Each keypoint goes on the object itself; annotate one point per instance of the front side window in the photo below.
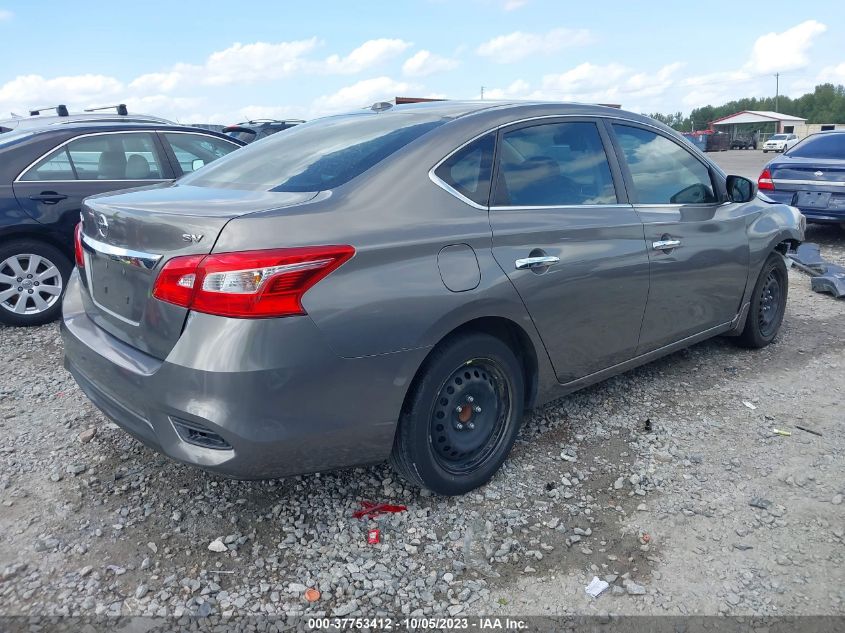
(554, 164)
(316, 156)
(662, 171)
(196, 150)
(468, 171)
(101, 157)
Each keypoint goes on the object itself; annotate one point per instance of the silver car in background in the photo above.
(405, 282)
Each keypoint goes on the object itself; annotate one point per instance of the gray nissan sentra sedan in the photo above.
(404, 282)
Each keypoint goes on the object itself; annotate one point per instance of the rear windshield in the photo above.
(778, 137)
(820, 146)
(316, 156)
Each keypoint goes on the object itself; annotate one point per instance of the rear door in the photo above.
(697, 244)
(52, 188)
(572, 246)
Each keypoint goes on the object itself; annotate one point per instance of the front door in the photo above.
(697, 242)
(572, 247)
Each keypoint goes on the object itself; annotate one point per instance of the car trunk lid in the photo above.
(128, 237)
(804, 172)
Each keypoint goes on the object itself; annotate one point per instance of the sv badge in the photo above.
(191, 237)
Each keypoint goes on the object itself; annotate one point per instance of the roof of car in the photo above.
(117, 126)
(457, 109)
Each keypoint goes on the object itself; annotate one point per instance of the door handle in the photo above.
(48, 197)
(665, 245)
(536, 262)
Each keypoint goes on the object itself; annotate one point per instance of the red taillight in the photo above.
(765, 182)
(248, 284)
(77, 246)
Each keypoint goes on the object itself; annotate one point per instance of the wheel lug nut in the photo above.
(459, 426)
(29, 291)
(459, 409)
(470, 399)
(20, 278)
(477, 409)
(37, 283)
(20, 288)
(29, 276)
(470, 426)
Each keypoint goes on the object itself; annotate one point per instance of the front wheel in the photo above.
(768, 304)
(33, 275)
(462, 415)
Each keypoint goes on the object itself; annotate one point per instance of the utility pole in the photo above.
(482, 93)
(777, 90)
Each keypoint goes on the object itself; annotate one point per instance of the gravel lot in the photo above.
(667, 481)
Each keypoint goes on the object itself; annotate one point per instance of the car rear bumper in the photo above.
(280, 400)
(817, 215)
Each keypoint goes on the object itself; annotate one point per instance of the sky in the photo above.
(226, 62)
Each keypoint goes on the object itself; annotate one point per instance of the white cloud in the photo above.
(361, 94)
(832, 74)
(512, 5)
(585, 78)
(779, 52)
(35, 91)
(425, 63)
(6, 15)
(369, 54)
(515, 46)
(517, 90)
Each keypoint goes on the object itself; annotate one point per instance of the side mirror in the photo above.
(197, 163)
(740, 189)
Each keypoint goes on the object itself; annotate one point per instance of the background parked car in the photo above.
(780, 142)
(810, 176)
(457, 263)
(37, 118)
(743, 141)
(44, 175)
(250, 131)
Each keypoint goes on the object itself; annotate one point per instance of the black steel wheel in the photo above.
(461, 415)
(470, 415)
(768, 304)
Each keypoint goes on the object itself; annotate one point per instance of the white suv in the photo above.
(780, 142)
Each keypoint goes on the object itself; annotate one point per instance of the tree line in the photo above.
(826, 104)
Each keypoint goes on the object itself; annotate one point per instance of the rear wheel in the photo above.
(462, 415)
(768, 304)
(33, 276)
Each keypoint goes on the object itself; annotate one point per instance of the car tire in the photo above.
(768, 304)
(461, 416)
(31, 303)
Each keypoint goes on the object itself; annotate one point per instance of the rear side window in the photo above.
(820, 146)
(663, 172)
(101, 157)
(316, 156)
(553, 164)
(469, 170)
(196, 150)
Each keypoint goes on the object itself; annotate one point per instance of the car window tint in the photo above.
(663, 172)
(192, 148)
(56, 166)
(554, 164)
(101, 157)
(468, 171)
(820, 146)
(316, 156)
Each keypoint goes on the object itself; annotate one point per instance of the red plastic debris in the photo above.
(374, 536)
(370, 509)
(646, 538)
